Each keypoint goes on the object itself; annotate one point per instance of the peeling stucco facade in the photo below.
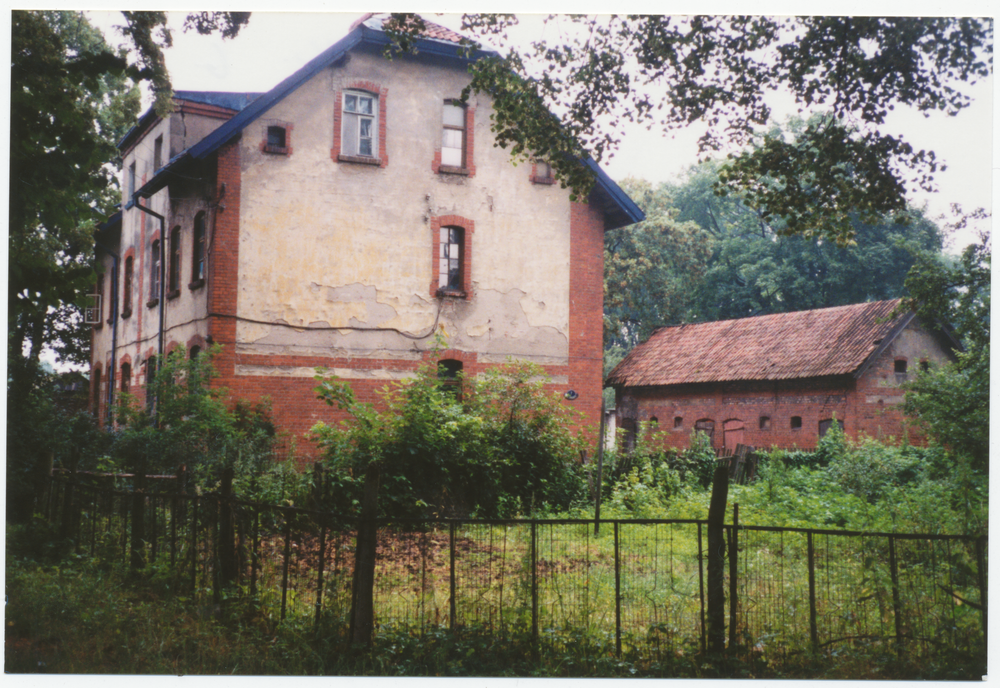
(320, 259)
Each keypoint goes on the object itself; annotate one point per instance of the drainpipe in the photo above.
(163, 264)
(116, 259)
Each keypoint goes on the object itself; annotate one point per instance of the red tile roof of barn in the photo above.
(828, 341)
(431, 30)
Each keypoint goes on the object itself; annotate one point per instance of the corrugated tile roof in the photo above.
(431, 30)
(827, 341)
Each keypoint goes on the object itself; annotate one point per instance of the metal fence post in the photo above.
(284, 572)
(534, 581)
(618, 596)
(716, 560)
(897, 611)
(734, 578)
(452, 611)
(319, 574)
(813, 632)
(701, 588)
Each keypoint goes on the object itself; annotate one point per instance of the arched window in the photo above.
(449, 371)
(825, 425)
(195, 351)
(174, 284)
(198, 252)
(126, 377)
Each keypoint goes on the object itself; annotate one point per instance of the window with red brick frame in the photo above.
(452, 260)
(359, 124)
(456, 154)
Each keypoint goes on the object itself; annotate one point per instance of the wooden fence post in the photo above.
(734, 597)
(716, 560)
(363, 589)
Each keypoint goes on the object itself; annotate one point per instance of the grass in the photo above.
(69, 614)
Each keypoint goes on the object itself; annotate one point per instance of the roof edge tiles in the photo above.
(841, 340)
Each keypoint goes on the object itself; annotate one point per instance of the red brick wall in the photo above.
(586, 312)
(223, 261)
(812, 400)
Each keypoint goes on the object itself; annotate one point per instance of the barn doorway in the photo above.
(732, 434)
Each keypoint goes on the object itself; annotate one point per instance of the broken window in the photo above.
(449, 371)
(175, 262)
(158, 153)
(543, 173)
(825, 425)
(453, 135)
(358, 133)
(796, 422)
(198, 252)
(126, 376)
(765, 423)
(450, 260)
(127, 289)
(154, 273)
(899, 368)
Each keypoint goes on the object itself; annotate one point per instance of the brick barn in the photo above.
(341, 220)
(778, 380)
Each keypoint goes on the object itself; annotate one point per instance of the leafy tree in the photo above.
(649, 268)
(564, 99)
(755, 268)
(952, 402)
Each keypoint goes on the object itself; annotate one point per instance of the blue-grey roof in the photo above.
(619, 209)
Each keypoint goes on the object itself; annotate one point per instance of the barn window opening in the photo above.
(706, 426)
(678, 422)
(825, 425)
(448, 375)
(195, 350)
(925, 366)
(765, 423)
(275, 137)
(899, 368)
(796, 422)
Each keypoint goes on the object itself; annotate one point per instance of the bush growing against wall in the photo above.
(496, 445)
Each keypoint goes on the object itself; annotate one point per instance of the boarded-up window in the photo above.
(825, 425)
(706, 426)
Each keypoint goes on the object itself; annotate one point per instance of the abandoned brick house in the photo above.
(778, 380)
(340, 220)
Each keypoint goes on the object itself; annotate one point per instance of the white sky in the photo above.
(275, 44)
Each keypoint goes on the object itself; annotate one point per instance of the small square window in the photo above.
(899, 367)
(765, 423)
(276, 137)
(678, 422)
(796, 422)
(542, 173)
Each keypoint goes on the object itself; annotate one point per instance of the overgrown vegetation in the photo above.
(496, 445)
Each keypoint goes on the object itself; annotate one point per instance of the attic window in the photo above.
(542, 173)
(796, 422)
(276, 139)
(899, 368)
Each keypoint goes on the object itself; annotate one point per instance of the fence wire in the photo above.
(638, 584)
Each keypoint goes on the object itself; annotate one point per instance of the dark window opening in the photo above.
(450, 266)
(154, 272)
(899, 368)
(195, 351)
(765, 422)
(654, 421)
(678, 422)
(97, 392)
(175, 261)
(825, 425)
(449, 371)
(158, 153)
(275, 137)
(127, 289)
(925, 366)
(198, 252)
(796, 422)
(126, 377)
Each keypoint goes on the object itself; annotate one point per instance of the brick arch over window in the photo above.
(467, 227)
(376, 90)
(197, 341)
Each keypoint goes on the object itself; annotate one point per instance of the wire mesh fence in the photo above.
(638, 583)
